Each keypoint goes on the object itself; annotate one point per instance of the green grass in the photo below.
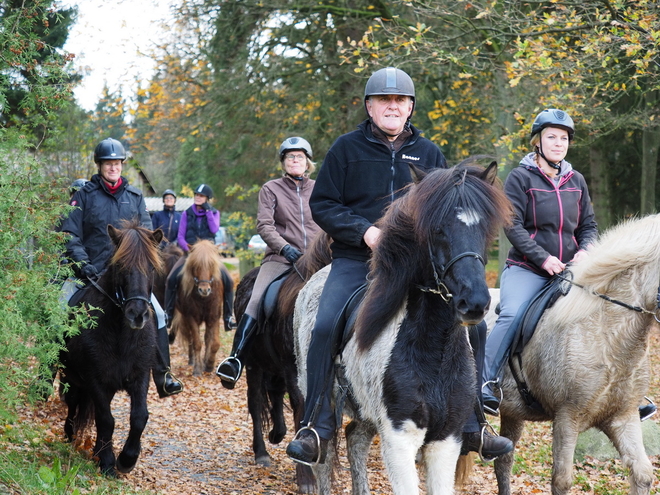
(33, 462)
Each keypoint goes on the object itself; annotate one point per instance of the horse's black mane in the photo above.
(402, 251)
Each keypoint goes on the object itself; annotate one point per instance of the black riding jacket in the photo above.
(359, 178)
(96, 209)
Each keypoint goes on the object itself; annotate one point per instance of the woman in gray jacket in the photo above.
(284, 221)
(553, 225)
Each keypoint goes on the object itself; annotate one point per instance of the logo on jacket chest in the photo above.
(413, 158)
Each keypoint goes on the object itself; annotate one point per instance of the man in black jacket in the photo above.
(362, 173)
(168, 218)
(107, 199)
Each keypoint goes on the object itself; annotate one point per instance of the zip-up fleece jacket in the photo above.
(550, 218)
(359, 178)
(96, 209)
(284, 217)
(197, 224)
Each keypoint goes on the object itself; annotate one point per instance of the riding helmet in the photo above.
(390, 81)
(295, 144)
(552, 117)
(77, 184)
(170, 192)
(205, 189)
(109, 149)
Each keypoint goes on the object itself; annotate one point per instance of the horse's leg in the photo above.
(71, 397)
(440, 459)
(195, 346)
(512, 429)
(399, 448)
(105, 427)
(359, 435)
(323, 472)
(138, 421)
(254, 376)
(212, 344)
(276, 391)
(564, 440)
(626, 435)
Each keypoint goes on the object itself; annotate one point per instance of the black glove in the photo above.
(89, 271)
(290, 253)
(206, 206)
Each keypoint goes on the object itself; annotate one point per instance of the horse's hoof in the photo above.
(307, 488)
(109, 471)
(126, 463)
(276, 437)
(263, 460)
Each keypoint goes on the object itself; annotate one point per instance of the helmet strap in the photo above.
(294, 177)
(539, 151)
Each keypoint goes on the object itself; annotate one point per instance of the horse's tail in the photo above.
(464, 470)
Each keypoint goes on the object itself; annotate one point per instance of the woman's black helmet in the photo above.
(109, 149)
(552, 117)
(77, 184)
(204, 189)
(294, 144)
(170, 192)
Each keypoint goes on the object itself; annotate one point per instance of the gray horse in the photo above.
(587, 364)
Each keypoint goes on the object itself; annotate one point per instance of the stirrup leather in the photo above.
(493, 412)
(318, 443)
(229, 378)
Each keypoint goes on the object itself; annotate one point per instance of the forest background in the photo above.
(236, 78)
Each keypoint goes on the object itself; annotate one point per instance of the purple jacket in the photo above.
(206, 225)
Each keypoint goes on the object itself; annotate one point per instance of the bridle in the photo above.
(119, 300)
(198, 281)
(439, 273)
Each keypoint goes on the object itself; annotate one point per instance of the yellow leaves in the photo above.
(514, 82)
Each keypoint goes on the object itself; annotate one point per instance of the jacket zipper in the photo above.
(302, 217)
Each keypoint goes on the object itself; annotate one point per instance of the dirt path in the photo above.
(199, 442)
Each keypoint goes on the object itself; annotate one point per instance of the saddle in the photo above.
(524, 325)
(269, 299)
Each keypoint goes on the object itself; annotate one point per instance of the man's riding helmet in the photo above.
(109, 149)
(205, 189)
(389, 81)
(77, 184)
(170, 192)
(551, 117)
(295, 144)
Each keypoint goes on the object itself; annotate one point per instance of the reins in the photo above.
(441, 289)
(637, 309)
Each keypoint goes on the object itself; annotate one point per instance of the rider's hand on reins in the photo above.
(553, 265)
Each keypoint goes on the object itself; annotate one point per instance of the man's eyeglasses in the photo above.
(291, 156)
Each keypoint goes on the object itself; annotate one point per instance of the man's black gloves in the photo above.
(290, 253)
(206, 206)
(89, 271)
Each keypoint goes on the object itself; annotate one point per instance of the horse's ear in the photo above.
(417, 174)
(157, 236)
(490, 174)
(114, 234)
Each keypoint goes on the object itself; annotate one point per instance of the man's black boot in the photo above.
(228, 302)
(231, 368)
(307, 447)
(166, 383)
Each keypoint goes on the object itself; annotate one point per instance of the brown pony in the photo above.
(199, 303)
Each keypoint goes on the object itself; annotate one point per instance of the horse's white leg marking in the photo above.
(626, 435)
(564, 439)
(399, 448)
(440, 458)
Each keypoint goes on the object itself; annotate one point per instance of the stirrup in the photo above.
(650, 409)
(481, 441)
(489, 410)
(318, 442)
(229, 378)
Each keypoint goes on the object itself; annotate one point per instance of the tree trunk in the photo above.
(650, 145)
(599, 190)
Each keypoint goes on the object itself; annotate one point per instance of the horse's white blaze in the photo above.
(468, 217)
(399, 447)
(440, 458)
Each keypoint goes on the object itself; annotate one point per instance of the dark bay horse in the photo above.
(270, 363)
(199, 300)
(118, 350)
(170, 254)
(587, 363)
(409, 365)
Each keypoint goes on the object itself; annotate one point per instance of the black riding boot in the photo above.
(171, 287)
(231, 368)
(228, 303)
(166, 383)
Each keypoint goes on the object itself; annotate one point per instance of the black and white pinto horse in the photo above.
(117, 351)
(409, 365)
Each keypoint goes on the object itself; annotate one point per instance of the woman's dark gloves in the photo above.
(88, 270)
(206, 206)
(290, 253)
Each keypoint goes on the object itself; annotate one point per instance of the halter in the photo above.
(637, 309)
(198, 281)
(441, 289)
